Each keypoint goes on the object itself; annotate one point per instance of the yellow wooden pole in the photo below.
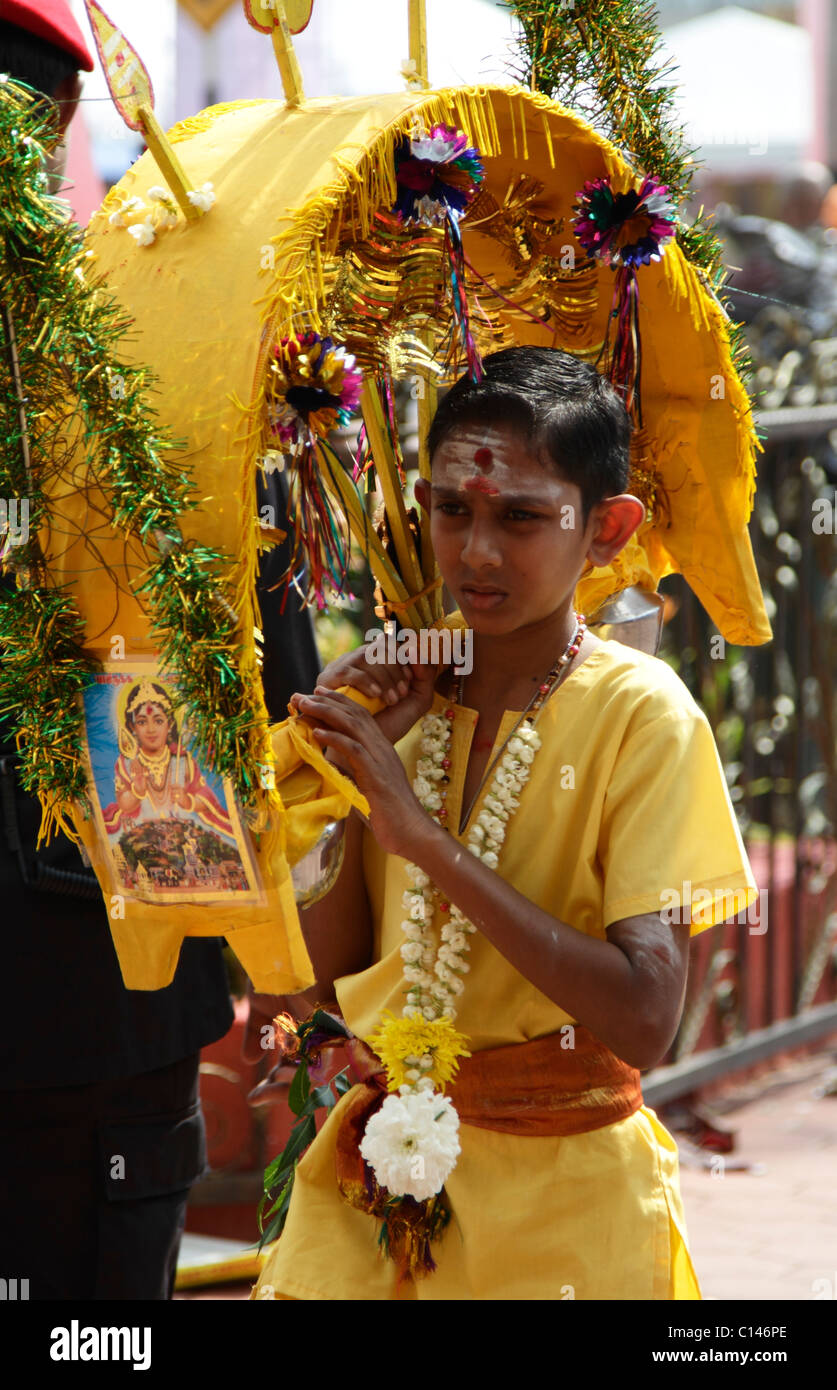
(283, 47)
(341, 487)
(386, 470)
(418, 37)
(426, 403)
(167, 161)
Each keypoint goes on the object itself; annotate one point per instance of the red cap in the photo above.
(51, 20)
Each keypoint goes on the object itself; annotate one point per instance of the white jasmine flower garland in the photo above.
(412, 1143)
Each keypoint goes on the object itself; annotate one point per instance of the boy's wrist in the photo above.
(425, 839)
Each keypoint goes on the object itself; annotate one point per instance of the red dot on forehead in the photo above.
(482, 458)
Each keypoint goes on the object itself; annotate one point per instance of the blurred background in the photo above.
(753, 1060)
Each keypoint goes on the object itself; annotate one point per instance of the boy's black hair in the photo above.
(564, 407)
(30, 59)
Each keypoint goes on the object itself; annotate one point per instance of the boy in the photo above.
(566, 1186)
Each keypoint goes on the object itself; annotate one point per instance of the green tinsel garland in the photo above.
(602, 59)
(63, 379)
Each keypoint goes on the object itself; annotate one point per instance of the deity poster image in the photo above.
(171, 827)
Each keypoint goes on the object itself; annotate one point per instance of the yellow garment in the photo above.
(596, 1215)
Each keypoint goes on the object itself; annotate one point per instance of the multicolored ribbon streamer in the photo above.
(313, 387)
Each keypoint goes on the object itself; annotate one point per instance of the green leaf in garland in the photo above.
(299, 1088)
(303, 1133)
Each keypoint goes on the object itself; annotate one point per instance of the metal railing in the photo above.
(755, 991)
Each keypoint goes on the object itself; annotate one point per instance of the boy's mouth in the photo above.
(482, 596)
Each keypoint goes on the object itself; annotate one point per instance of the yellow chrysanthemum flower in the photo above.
(400, 1038)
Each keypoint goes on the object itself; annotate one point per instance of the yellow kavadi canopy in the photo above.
(299, 237)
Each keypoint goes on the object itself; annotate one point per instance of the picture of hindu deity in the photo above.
(171, 827)
(153, 776)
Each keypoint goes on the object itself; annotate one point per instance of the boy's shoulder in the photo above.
(634, 689)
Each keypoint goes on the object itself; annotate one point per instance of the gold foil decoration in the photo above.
(645, 482)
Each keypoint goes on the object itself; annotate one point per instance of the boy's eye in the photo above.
(513, 514)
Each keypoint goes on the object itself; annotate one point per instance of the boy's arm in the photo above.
(628, 990)
(338, 928)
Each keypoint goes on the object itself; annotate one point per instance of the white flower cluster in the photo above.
(202, 198)
(434, 747)
(167, 208)
(435, 977)
(438, 149)
(412, 1143)
(163, 212)
(486, 836)
(144, 232)
(117, 218)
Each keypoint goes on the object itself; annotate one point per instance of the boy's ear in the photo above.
(616, 520)
(422, 494)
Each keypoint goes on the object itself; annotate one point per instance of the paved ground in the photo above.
(769, 1233)
(767, 1230)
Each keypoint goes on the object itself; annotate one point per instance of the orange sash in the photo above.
(540, 1087)
(546, 1087)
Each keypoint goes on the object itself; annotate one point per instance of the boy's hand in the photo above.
(390, 681)
(358, 745)
(407, 690)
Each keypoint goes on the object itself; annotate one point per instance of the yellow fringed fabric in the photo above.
(208, 299)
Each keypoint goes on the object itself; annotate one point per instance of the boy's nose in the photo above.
(481, 547)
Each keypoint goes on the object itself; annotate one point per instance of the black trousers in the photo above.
(94, 1182)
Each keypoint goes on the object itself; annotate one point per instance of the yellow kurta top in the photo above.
(626, 805)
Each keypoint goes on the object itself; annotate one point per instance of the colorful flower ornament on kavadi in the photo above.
(438, 175)
(625, 231)
(421, 230)
(313, 388)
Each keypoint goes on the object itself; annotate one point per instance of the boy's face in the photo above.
(508, 531)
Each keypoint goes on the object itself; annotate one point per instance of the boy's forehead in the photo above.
(492, 459)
